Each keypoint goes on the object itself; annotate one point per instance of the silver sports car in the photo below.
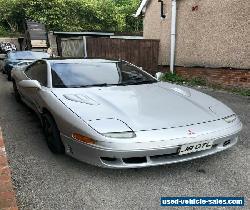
(113, 114)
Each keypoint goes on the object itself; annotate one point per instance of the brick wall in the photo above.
(223, 76)
(7, 194)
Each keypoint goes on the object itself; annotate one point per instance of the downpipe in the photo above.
(173, 36)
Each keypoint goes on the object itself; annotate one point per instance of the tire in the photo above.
(16, 93)
(9, 76)
(52, 135)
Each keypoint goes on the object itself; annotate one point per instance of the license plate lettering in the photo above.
(195, 147)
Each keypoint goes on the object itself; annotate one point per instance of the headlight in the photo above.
(112, 128)
(122, 135)
(230, 119)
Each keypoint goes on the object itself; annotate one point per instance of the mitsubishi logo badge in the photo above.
(190, 132)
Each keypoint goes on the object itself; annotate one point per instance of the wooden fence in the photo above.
(141, 52)
(73, 47)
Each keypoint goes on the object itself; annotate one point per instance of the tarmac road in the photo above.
(45, 181)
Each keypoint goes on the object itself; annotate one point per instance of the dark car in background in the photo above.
(13, 58)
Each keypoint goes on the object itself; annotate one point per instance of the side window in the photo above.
(38, 72)
(28, 71)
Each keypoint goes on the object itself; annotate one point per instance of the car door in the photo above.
(22, 75)
(37, 71)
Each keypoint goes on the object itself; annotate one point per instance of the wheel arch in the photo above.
(46, 111)
(59, 148)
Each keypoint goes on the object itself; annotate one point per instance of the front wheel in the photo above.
(16, 93)
(52, 135)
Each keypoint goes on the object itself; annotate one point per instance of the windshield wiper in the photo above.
(138, 82)
(94, 85)
(59, 86)
(108, 85)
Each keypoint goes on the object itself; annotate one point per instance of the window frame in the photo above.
(139, 69)
(47, 72)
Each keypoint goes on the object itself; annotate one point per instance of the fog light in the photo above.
(109, 159)
(82, 138)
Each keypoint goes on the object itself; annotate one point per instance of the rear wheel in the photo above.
(52, 135)
(16, 93)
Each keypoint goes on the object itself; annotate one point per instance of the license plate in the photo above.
(195, 147)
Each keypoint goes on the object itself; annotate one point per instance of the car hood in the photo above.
(142, 107)
(11, 61)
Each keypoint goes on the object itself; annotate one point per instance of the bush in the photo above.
(3, 31)
(199, 81)
(174, 78)
(6, 33)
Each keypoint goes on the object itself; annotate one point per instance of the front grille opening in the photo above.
(109, 159)
(158, 157)
(135, 160)
(226, 143)
(176, 154)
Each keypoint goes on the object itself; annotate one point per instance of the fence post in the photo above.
(85, 46)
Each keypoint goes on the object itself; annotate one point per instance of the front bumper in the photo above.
(113, 158)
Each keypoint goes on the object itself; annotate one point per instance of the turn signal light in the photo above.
(82, 138)
(230, 119)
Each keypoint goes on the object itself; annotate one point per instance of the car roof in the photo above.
(26, 61)
(25, 52)
(27, 55)
(79, 61)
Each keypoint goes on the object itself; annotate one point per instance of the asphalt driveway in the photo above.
(45, 181)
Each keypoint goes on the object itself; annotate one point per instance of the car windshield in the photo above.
(27, 55)
(89, 74)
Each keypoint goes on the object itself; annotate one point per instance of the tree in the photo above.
(72, 15)
(11, 14)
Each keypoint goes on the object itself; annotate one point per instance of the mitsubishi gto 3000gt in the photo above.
(112, 114)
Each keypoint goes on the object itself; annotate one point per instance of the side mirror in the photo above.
(159, 75)
(30, 84)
